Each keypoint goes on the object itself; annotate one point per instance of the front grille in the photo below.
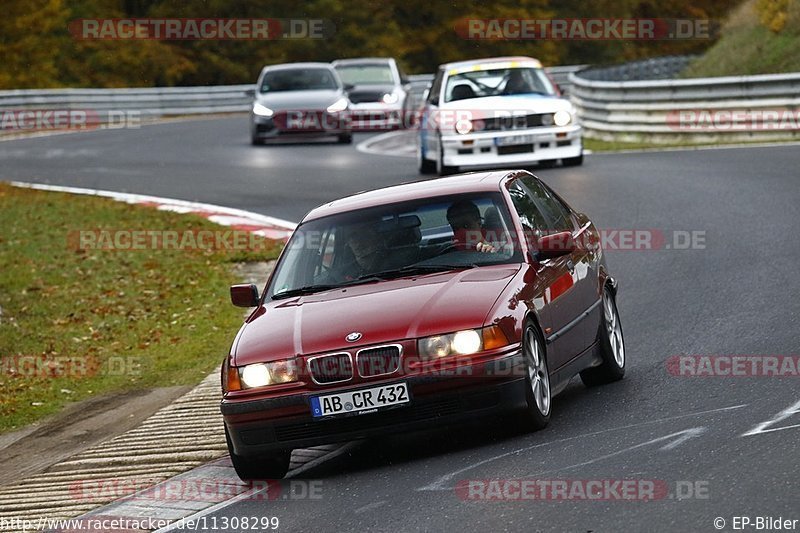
(333, 368)
(378, 361)
(359, 97)
(519, 122)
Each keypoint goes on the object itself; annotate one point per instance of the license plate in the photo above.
(360, 401)
(513, 139)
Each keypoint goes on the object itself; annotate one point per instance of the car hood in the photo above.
(382, 312)
(529, 103)
(299, 100)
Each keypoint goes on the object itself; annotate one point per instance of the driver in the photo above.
(517, 84)
(464, 218)
(367, 247)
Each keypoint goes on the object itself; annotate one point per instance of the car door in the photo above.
(563, 295)
(581, 263)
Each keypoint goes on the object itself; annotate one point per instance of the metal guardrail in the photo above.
(107, 105)
(147, 102)
(736, 108)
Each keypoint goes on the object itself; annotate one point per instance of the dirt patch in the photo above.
(78, 427)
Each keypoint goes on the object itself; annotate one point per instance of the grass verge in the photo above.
(760, 37)
(77, 323)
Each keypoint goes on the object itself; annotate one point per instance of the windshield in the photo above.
(442, 233)
(497, 82)
(309, 79)
(366, 74)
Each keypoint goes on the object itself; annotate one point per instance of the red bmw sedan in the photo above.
(422, 304)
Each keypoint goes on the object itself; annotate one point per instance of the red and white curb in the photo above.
(238, 219)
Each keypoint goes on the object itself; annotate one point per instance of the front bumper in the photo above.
(375, 116)
(273, 128)
(483, 149)
(436, 400)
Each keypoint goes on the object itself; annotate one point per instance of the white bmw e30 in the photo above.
(496, 112)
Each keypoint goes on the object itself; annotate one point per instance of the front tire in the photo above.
(441, 168)
(345, 138)
(612, 346)
(425, 166)
(537, 380)
(273, 466)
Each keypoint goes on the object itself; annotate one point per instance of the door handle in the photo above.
(570, 266)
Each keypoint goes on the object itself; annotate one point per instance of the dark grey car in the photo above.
(299, 100)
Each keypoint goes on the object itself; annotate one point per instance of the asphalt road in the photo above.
(735, 295)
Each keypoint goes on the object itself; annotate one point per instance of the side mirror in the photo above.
(425, 94)
(348, 87)
(245, 295)
(250, 92)
(555, 245)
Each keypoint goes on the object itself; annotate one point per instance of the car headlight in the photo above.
(262, 110)
(338, 105)
(465, 342)
(464, 126)
(390, 98)
(265, 374)
(562, 118)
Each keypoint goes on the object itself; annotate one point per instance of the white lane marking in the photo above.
(439, 483)
(180, 523)
(683, 436)
(167, 203)
(366, 148)
(370, 506)
(783, 415)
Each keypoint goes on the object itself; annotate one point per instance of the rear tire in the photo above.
(537, 381)
(612, 346)
(573, 161)
(548, 163)
(255, 141)
(345, 138)
(272, 466)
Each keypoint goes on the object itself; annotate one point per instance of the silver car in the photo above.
(299, 100)
(377, 90)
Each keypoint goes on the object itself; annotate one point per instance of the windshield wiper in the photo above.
(410, 270)
(309, 289)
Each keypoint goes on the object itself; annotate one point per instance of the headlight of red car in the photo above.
(465, 342)
(262, 374)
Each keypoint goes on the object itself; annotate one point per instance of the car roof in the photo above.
(357, 60)
(459, 184)
(308, 64)
(488, 61)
